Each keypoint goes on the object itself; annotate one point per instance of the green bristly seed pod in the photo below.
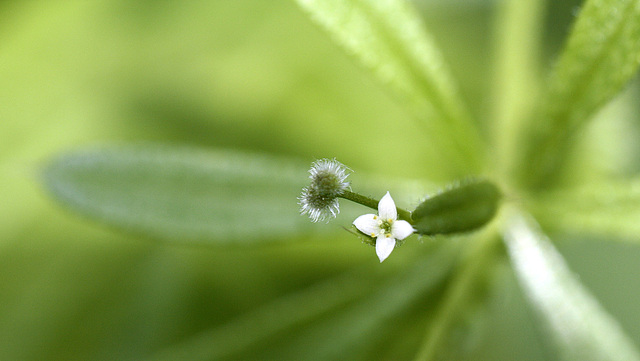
(464, 207)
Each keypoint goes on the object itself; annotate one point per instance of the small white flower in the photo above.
(385, 227)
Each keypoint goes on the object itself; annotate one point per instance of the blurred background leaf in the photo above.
(389, 38)
(601, 56)
(605, 209)
(578, 325)
(183, 195)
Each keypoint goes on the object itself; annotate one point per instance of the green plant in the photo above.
(529, 149)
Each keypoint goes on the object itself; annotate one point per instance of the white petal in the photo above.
(367, 224)
(384, 246)
(401, 230)
(387, 208)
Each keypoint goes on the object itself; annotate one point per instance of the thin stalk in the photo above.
(373, 203)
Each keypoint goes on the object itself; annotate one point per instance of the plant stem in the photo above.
(373, 203)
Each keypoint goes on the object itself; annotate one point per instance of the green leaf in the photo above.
(517, 80)
(580, 327)
(367, 323)
(601, 56)
(281, 314)
(610, 209)
(358, 303)
(181, 194)
(389, 38)
(462, 208)
(461, 293)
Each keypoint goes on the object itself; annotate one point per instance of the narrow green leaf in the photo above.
(517, 81)
(581, 328)
(366, 322)
(182, 194)
(610, 209)
(463, 207)
(266, 321)
(460, 294)
(358, 303)
(601, 56)
(389, 38)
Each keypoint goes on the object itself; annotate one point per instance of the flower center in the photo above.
(385, 226)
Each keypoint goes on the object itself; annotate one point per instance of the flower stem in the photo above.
(373, 203)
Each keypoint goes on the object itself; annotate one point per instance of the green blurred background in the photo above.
(250, 75)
